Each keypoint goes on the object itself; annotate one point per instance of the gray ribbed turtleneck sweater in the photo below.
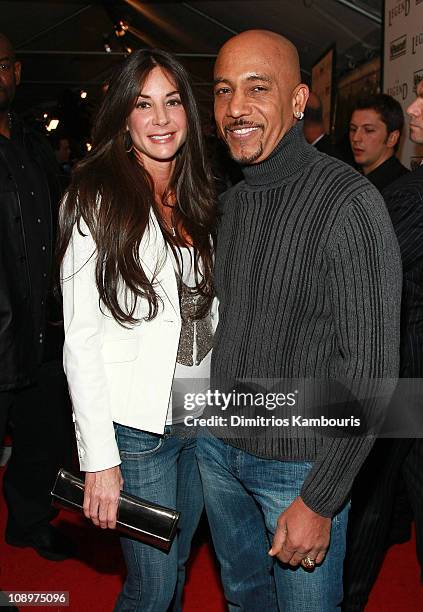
(308, 276)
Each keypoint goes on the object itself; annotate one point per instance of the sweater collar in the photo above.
(289, 156)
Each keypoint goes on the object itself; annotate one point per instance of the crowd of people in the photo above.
(303, 270)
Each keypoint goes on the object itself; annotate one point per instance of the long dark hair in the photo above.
(113, 194)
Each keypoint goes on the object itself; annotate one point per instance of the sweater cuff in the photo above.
(329, 482)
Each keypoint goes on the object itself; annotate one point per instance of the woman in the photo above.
(136, 261)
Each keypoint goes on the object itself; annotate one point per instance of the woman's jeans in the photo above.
(160, 469)
(244, 495)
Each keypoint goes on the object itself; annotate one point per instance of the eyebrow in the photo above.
(250, 77)
(5, 58)
(171, 93)
(362, 124)
(220, 80)
(259, 77)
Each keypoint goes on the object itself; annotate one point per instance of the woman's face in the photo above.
(158, 123)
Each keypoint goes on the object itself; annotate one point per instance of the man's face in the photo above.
(253, 104)
(415, 112)
(370, 142)
(10, 72)
(64, 151)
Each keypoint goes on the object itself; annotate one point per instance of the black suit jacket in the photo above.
(388, 172)
(404, 199)
(21, 350)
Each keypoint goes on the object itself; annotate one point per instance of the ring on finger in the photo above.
(308, 562)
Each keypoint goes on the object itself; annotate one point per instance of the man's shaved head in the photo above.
(258, 92)
(10, 73)
(6, 47)
(271, 46)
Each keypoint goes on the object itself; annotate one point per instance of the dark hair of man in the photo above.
(114, 194)
(387, 107)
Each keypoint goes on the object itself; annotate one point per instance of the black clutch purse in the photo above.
(136, 518)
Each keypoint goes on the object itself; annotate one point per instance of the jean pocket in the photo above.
(134, 443)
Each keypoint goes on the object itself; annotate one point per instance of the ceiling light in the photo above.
(52, 125)
(121, 28)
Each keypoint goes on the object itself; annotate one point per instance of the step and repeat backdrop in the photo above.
(403, 62)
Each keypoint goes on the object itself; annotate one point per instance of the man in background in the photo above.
(33, 392)
(375, 131)
(62, 150)
(314, 129)
(375, 489)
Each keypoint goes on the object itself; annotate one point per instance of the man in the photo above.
(375, 131)
(294, 238)
(62, 150)
(370, 531)
(314, 130)
(33, 398)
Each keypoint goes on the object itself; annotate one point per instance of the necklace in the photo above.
(166, 213)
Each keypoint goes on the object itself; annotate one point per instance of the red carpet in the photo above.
(94, 580)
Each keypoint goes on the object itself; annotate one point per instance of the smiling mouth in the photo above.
(242, 131)
(161, 138)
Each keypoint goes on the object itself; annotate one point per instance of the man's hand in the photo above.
(101, 496)
(300, 533)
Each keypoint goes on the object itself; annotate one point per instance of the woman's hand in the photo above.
(101, 496)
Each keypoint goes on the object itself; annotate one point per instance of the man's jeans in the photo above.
(164, 470)
(244, 495)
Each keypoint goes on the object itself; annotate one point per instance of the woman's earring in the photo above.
(129, 145)
(299, 115)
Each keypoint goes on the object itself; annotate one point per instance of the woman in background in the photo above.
(136, 260)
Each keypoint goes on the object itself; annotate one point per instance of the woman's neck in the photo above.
(160, 171)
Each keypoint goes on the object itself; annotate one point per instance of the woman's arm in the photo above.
(84, 367)
(102, 495)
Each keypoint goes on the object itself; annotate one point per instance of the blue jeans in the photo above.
(244, 495)
(164, 470)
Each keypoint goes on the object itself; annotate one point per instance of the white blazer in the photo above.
(113, 373)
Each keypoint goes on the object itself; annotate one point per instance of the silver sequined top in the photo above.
(192, 329)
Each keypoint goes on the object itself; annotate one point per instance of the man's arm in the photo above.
(366, 278)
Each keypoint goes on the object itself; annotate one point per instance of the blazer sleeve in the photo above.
(82, 355)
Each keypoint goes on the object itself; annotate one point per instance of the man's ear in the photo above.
(393, 138)
(17, 71)
(299, 98)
